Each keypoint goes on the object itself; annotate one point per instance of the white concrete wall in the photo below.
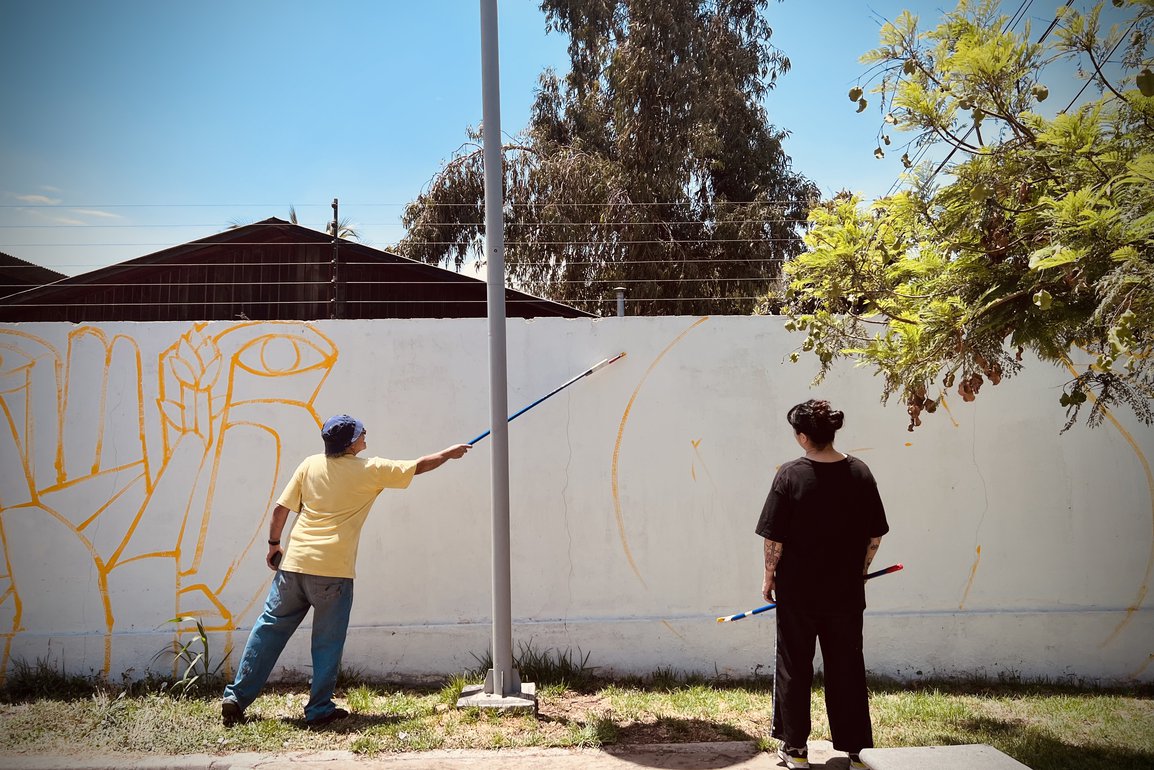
(138, 464)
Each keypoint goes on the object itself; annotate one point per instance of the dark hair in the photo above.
(815, 419)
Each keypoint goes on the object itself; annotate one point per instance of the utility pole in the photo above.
(503, 688)
(335, 300)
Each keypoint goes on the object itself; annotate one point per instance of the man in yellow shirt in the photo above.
(332, 494)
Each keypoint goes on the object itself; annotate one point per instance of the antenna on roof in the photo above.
(335, 300)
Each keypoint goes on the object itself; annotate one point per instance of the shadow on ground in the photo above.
(1040, 749)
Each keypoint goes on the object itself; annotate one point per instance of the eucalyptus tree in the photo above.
(651, 164)
(1037, 236)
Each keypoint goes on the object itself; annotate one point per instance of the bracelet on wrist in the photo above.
(274, 542)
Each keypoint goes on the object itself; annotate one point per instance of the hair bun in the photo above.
(816, 419)
(836, 419)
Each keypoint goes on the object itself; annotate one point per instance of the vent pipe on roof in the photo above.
(620, 300)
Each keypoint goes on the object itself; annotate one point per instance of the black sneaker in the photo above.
(329, 718)
(231, 713)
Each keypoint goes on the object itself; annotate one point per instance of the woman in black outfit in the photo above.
(822, 522)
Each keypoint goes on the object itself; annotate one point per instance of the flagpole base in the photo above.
(524, 701)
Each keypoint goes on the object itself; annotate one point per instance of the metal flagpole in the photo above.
(503, 687)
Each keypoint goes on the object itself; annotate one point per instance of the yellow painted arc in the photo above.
(1143, 588)
(672, 630)
(973, 574)
(945, 405)
(617, 448)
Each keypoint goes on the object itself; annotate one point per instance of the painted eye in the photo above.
(277, 355)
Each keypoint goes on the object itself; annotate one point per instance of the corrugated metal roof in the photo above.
(269, 270)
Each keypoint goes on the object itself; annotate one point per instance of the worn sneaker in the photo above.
(855, 763)
(231, 713)
(329, 718)
(794, 759)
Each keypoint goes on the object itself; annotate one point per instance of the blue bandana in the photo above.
(340, 432)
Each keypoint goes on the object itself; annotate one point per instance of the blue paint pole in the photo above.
(599, 365)
(766, 608)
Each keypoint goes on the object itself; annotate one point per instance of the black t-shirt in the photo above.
(824, 515)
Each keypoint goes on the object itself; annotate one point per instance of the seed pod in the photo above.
(965, 392)
(1145, 82)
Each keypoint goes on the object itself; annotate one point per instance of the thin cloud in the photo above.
(50, 188)
(96, 213)
(43, 200)
(56, 219)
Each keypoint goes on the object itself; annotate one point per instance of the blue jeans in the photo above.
(289, 599)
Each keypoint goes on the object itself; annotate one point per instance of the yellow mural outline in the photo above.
(973, 574)
(10, 419)
(704, 465)
(84, 524)
(17, 607)
(1143, 588)
(257, 530)
(191, 404)
(946, 405)
(101, 574)
(58, 373)
(614, 482)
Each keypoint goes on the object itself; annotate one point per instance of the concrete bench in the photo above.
(977, 756)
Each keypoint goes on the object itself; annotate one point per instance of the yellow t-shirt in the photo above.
(332, 496)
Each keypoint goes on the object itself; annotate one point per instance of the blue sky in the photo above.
(134, 125)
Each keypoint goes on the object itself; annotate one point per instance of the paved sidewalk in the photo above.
(740, 755)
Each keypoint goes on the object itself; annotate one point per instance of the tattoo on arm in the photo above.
(772, 555)
(871, 552)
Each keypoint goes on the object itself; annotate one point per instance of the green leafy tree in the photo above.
(651, 165)
(1040, 235)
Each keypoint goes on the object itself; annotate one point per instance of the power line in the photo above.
(426, 204)
(436, 301)
(602, 242)
(606, 224)
(1090, 80)
(1019, 14)
(1009, 25)
(328, 263)
(272, 284)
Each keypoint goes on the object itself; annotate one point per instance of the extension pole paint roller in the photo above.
(599, 365)
(747, 613)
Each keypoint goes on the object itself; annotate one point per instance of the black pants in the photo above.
(846, 699)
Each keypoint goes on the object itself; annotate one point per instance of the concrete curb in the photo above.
(742, 755)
